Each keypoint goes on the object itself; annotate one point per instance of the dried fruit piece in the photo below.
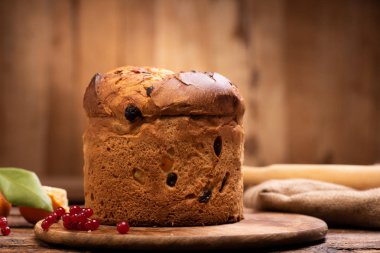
(166, 163)
(138, 175)
(132, 112)
(218, 146)
(149, 90)
(136, 71)
(224, 181)
(206, 196)
(171, 180)
(171, 151)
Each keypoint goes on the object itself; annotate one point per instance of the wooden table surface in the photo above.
(22, 239)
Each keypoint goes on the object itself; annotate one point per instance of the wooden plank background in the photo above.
(308, 70)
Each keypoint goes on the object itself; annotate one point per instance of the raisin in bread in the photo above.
(163, 148)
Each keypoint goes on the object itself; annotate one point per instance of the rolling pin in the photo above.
(359, 177)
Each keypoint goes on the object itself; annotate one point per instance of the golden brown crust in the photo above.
(163, 148)
(158, 92)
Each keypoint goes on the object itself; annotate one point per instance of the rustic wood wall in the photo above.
(309, 72)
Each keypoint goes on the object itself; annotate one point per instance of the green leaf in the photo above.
(23, 188)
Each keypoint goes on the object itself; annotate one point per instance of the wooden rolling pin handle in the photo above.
(356, 176)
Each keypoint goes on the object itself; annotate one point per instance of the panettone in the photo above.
(163, 148)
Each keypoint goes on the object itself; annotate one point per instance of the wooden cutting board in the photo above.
(257, 230)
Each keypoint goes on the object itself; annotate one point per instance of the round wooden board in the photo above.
(257, 230)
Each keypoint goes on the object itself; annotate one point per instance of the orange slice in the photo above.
(5, 206)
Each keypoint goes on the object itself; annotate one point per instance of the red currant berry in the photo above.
(54, 215)
(45, 225)
(74, 218)
(88, 225)
(88, 212)
(81, 226)
(3, 222)
(75, 210)
(69, 225)
(122, 227)
(51, 219)
(81, 217)
(59, 211)
(94, 224)
(5, 231)
(66, 218)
